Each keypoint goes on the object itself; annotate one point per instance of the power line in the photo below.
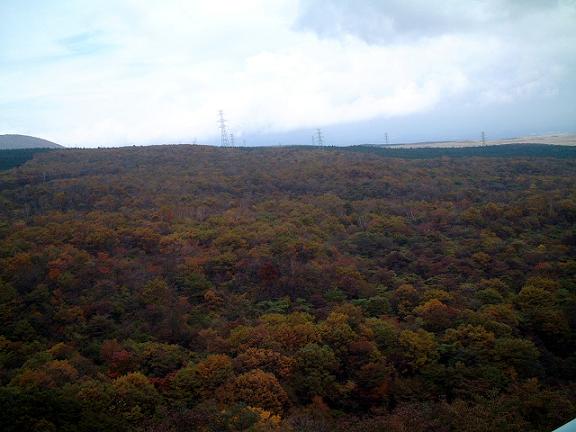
(224, 139)
(319, 137)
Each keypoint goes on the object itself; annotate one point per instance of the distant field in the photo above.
(561, 139)
(505, 150)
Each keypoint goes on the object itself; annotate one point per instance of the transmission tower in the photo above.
(224, 141)
(483, 138)
(319, 137)
(386, 137)
(231, 139)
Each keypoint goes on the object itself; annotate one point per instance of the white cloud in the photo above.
(133, 71)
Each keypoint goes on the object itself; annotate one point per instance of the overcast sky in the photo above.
(119, 72)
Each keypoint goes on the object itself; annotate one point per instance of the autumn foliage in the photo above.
(182, 288)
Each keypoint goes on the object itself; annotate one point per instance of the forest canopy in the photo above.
(174, 288)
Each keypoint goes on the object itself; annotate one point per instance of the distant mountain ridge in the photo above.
(564, 139)
(12, 142)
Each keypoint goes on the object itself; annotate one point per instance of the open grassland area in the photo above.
(556, 140)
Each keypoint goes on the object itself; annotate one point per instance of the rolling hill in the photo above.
(12, 142)
(565, 139)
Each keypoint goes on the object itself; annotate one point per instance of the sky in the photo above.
(87, 73)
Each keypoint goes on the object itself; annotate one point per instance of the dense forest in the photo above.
(193, 288)
(16, 157)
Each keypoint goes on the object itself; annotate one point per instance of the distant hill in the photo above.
(490, 151)
(11, 142)
(564, 139)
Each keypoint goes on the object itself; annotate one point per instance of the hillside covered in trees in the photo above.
(184, 288)
(16, 157)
